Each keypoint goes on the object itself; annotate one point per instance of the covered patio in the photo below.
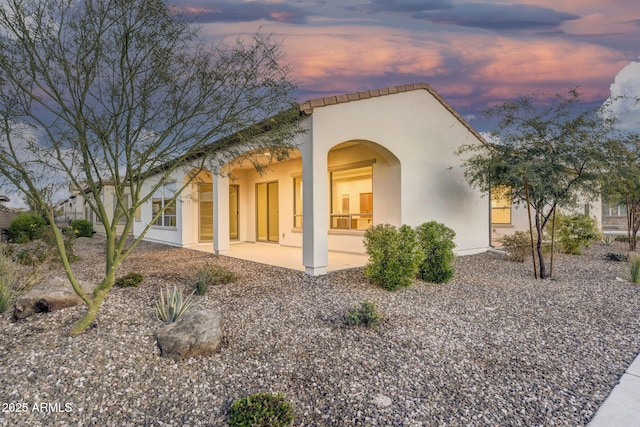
(290, 257)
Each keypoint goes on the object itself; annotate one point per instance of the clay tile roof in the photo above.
(307, 107)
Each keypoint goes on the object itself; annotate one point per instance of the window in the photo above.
(352, 198)
(614, 208)
(205, 212)
(297, 202)
(116, 208)
(500, 206)
(162, 199)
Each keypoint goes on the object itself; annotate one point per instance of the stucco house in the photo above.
(373, 157)
(507, 218)
(76, 206)
(6, 214)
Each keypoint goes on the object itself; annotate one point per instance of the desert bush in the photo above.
(261, 410)
(575, 232)
(171, 308)
(517, 245)
(129, 280)
(18, 279)
(32, 254)
(608, 239)
(82, 228)
(436, 242)
(69, 237)
(26, 227)
(211, 275)
(366, 314)
(394, 255)
(614, 256)
(634, 269)
(7, 279)
(5, 292)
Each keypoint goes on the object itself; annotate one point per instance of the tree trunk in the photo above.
(542, 271)
(631, 221)
(634, 223)
(92, 309)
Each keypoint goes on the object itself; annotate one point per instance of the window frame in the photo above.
(502, 209)
(162, 194)
(297, 202)
(349, 219)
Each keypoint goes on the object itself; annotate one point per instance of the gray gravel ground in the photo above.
(492, 347)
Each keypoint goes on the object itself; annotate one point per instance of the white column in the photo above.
(220, 214)
(315, 210)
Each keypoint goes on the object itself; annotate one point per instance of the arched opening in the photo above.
(364, 186)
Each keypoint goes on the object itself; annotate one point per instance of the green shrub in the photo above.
(26, 227)
(517, 245)
(261, 410)
(613, 256)
(211, 275)
(394, 255)
(634, 269)
(608, 239)
(170, 310)
(366, 314)
(575, 232)
(129, 280)
(436, 242)
(82, 228)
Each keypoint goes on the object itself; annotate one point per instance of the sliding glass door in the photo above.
(267, 211)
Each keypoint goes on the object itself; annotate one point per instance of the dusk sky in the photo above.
(474, 53)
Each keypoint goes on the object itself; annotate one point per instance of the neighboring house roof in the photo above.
(308, 106)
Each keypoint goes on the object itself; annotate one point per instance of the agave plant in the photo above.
(171, 308)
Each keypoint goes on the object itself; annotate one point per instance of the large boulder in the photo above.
(197, 333)
(53, 294)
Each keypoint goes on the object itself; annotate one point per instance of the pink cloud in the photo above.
(475, 68)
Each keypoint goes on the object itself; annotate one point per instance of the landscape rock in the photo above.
(382, 401)
(53, 294)
(197, 333)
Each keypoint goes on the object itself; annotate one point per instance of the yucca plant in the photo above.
(634, 269)
(171, 308)
(608, 239)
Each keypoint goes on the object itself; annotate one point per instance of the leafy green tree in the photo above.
(621, 180)
(119, 91)
(545, 155)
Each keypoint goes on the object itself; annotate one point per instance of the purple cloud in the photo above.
(231, 12)
(498, 17)
(376, 6)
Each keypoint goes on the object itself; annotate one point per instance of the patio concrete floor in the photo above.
(290, 257)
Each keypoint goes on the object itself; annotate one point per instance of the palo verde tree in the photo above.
(546, 156)
(124, 92)
(621, 180)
